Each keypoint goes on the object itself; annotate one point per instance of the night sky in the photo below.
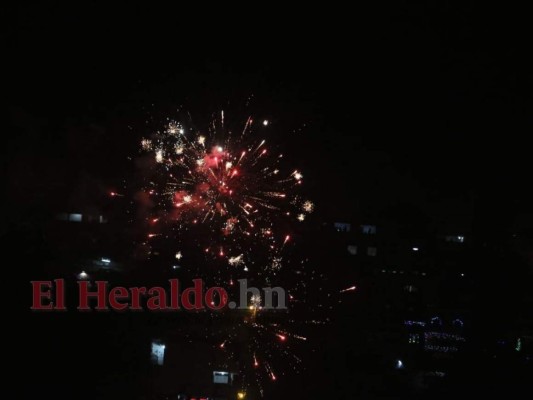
(406, 104)
(394, 112)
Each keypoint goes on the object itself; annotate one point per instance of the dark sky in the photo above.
(425, 105)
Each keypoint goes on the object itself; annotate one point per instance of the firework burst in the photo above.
(232, 183)
(230, 197)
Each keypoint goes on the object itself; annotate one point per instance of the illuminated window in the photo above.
(352, 250)
(455, 238)
(410, 289)
(369, 229)
(221, 377)
(75, 217)
(158, 353)
(342, 227)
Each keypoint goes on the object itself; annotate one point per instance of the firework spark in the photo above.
(350, 289)
(308, 206)
(237, 260)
